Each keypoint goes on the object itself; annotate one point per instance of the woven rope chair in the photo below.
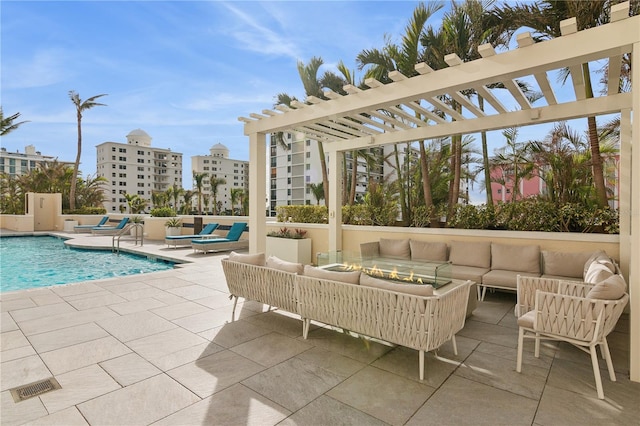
(567, 315)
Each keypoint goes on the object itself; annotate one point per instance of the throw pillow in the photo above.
(425, 250)
(413, 289)
(613, 288)
(398, 249)
(597, 272)
(345, 277)
(252, 259)
(601, 258)
(274, 262)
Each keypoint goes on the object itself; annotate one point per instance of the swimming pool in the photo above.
(31, 262)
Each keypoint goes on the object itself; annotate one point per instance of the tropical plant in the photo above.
(7, 124)
(187, 196)
(236, 195)
(215, 183)
(81, 106)
(198, 178)
(513, 162)
(295, 234)
(174, 222)
(163, 212)
(317, 189)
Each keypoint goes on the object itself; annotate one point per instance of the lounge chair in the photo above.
(231, 242)
(185, 240)
(88, 228)
(110, 230)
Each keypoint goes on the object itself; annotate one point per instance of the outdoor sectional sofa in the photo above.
(403, 314)
(488, 264)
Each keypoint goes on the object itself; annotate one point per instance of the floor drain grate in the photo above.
(34, 389)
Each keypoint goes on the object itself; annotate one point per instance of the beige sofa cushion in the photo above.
(413, 289)
(563, 264)
(502, 278)
(612, 288)
(394, 248)
(472, 273)
(252, 259)
(508, 257)
(345, 277)
(465, 253)
(425, 250)
(283, 265)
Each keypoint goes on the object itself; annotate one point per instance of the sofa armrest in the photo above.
(371, 249)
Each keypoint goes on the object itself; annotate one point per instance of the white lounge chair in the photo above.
(185, 240)
(110, 230)
(88, 228)
(231, 242)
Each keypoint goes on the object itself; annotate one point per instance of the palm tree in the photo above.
(7, 124)
(173, 193)
(215, 182)
(187, 195)
(198, 178)
(81, 106)
(544, 16)
(318, 191)
(403, 58)
(236, 195)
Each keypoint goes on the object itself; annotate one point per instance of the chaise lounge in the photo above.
(185, 240)
(110, 230)
(231, 242)
(87, 228)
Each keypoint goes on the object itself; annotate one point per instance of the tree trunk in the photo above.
(594, 143)
(76, 166)
(426, 184)
(485, 160)
(354, 177)
(325, 178)
(401, 184)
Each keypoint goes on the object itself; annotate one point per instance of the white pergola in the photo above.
(402, 112)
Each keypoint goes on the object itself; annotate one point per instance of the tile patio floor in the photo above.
(161, 349)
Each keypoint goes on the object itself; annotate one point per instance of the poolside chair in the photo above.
(231, 242)
(110, 230)
(185, 240)
(582, 315)
(88, 228)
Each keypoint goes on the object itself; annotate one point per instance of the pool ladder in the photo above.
(138, 235)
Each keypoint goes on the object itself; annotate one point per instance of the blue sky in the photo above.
(183, 71)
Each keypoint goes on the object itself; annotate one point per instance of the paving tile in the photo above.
(185, 356)
(134, 326)
(564, 407)
(22, 371)
(373, 391)
(193, 292)
(68, 417)
(46, 298)
(216, 300)
(167, 283)
(234, 333)
(405, 362)
(337, 364)
(214, 373)
(7, 323)
(17, 353)
(78, 386)
(13, 413)
(133, 306)
(52, 340)
(271, 349)
(122, 287)
(83, 354)
(94, 302)
(165, 343)
(179, 310)
(293, 383)
(144, 293)
(249, 408)
(17, 304)
(505, 336)
(12, 340)
(205, 320)
(358, 348)
(501, 373)
(510, 355)
(75, 289)
(280, 321)
(327, 411)
(60, 321)
(141, 403)
(465, 402)
(41, 311)
(130, 368)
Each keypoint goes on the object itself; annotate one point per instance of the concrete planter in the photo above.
(170, 232)
(69, 225)
(291, 250)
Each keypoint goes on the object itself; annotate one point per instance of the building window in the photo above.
(123, 150)
(308, 166)
(113, 174)
(113, 157)
(308, 155)
(123, 175)
(140, 176)
(140, 152)
(113, 149)
(122, 167)
(205, 161)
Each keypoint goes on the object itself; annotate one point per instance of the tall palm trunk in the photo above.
(325, 177)
(426, 184)
(401, 186)
(354, 177)
(594, 143)
(76, 165)
(485, 159)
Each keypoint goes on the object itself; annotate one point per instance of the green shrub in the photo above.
(421, 216)
(302, 214)
(356, 215)
(87, 210)
(163, 212)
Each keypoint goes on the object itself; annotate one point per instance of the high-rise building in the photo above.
(136, 167)
(293, 169)
(234, 174)
(17, 163)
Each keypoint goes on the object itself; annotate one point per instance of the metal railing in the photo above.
(133, 230)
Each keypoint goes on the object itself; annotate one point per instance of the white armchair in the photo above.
(568, 315)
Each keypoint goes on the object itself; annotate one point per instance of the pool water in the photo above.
(31, 262)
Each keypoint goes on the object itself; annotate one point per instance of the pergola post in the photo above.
(335, 200)
(634, 213)
(257, 188)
